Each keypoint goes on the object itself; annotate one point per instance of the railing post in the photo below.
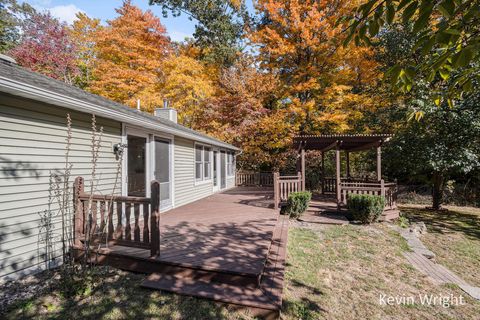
(155, 218)
(394, 194)
(303, 168)
(301, 184)
(78, 218)
(275, 190)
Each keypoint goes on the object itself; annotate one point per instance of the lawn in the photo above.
(340, 273)
(454, 236)
(333, 272)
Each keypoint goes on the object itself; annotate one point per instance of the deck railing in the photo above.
(381, 188)
(329, 184)
(127, 221)
(284, 185)
(247, 179)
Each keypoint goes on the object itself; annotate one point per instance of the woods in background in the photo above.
(256, 79)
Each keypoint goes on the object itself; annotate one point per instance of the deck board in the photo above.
(223, 231)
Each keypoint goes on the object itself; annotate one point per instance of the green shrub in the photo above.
(364, 207)
(297, 203)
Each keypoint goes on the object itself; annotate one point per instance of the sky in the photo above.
(178, 28)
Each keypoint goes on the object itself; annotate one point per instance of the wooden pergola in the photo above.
(344, 142)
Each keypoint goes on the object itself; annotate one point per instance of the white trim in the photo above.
(217, 159)
(173, 171)
(124, 160)
(171, 160)
(233, 164)
(32, 92)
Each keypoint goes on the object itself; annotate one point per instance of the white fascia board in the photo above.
(31, 92)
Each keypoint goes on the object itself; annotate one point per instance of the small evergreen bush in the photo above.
(364, 207)
(297, 203)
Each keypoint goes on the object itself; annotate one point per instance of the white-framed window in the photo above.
(198, 163)
(207, 163)
(203, 163)
(230, 163)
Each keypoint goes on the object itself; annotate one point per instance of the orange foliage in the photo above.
(130, 53)
(84, 33)
(301, 42)
(187, 85)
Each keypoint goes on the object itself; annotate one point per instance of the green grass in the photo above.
(454, 236)
(339, 272)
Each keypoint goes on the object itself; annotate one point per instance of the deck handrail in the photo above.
(329, 183)
(284, 185)
(246, 178)
(92, 209)
(388, 190)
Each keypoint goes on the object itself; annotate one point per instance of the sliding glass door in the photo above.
(136, 166)
(162, 171)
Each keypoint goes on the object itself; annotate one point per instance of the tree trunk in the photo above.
(438, 184)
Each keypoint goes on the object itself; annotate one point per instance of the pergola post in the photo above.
(347, 154)
(379, 163)
(323, 171)
(302, 153)
(337, 174)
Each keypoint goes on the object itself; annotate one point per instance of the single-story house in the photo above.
(33, 108)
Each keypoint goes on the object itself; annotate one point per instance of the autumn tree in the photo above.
(244, 112)
(244, 94)
(130, 51)
(187, 85)
(84, 33)
(321, 83)
(46, 47)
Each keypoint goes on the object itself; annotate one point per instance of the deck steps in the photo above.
(263, 300)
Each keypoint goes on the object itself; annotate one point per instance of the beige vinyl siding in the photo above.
(230, 182)
(184, 172)
(32, 146)
(186, 190)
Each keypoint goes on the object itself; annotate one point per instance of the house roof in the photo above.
(347, 142)
(19, 81)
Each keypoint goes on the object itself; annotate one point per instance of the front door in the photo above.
(162, 171)
(136, 166)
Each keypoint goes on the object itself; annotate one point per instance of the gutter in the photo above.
(31, 92)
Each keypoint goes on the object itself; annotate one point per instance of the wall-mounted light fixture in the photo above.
(118, 149)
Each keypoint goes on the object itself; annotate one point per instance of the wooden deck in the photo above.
(229, 247)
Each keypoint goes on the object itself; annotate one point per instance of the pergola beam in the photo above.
(331, 146)
(366, 146)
